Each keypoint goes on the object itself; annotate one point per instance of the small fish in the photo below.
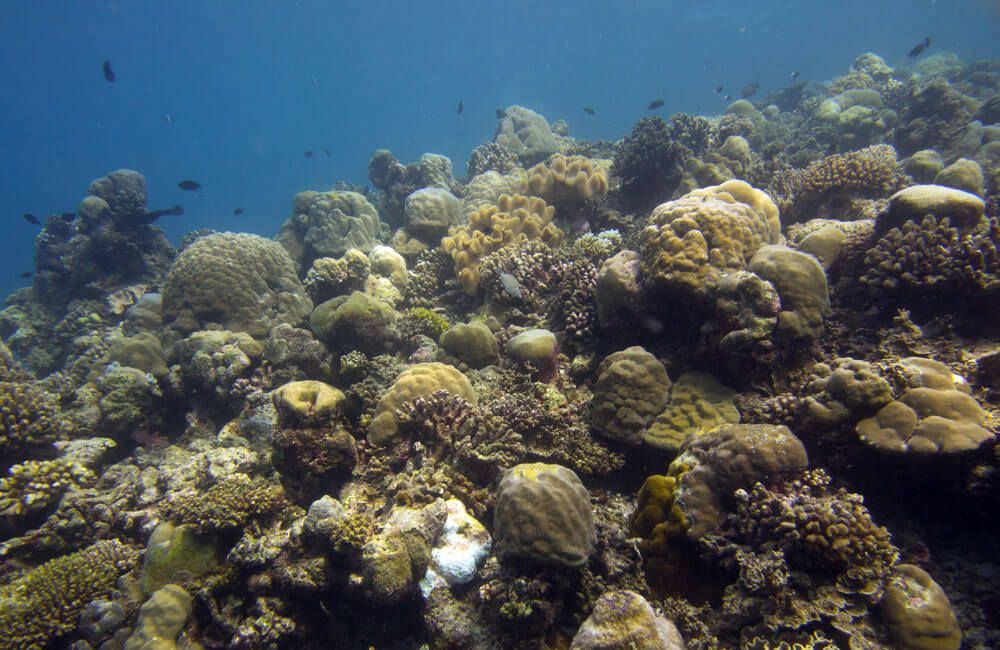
(313, 80)
(189, 185)
(919, 47)
(589, 111)
(308, 153)
(327, 152)
(728, 98)
(718, 89)
(27, 274)
(238, 211)
(32, 219)
(794, 75)
(168, 119)
(501, 113)
(153, 215)
(109, 74)
(511, 286)
(461, 107)
(655, 104)
(750, 90)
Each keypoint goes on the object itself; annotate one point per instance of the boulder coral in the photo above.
(420, 380)
(234, 281)
(327, 224)
(918, 612)
(632, 387)
(543, 515)
(624, 619)
(698, 403)
(801, 285)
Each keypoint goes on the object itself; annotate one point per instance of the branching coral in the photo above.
(29, 415)
(34, 485)
(650, 163)
(228, 504)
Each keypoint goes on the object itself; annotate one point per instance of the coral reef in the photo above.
(649, 162)
(328, 224)
(631, 388)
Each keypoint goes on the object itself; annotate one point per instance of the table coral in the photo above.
(512, 221)
(238, 281)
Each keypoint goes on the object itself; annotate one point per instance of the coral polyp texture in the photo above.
(237, 281)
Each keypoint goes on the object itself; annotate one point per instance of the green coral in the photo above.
(44, 604)
(174, 553)
(228, 504)
(425, 321)
(36, 484)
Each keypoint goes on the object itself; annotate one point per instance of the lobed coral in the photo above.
(44, 604)
(512, 221)
(420, 380)
(567, 179)
(236, 281)
(631, 388)
(802, 288)
(698, 403)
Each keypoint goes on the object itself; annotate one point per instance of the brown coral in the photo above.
(568, 179)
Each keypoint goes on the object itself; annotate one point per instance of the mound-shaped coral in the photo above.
(543, 514)
(918, 612)
(690, 243)
(632, 387)
(236, 281)
(327, 224)
(526, 134)
(355, 322)
(420, 380)
(624, 619)
(513, 220)
(307, 402)
(842, 390)
(567, 179)
(698, 403)
(431, 211)
(801, 285)
(963, 209)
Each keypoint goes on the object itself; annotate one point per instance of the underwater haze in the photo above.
(250, 86)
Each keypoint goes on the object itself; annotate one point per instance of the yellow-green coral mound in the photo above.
(918, 612)
(698, 403)
(42, 605)
(632, 387)
(421, 380)
(691, 242)
(234, 281)
(568, 179)
(513, 220)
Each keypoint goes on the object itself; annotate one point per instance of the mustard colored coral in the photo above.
(568, 179)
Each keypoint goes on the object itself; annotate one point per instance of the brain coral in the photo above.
(801, 285)
(568, 179)
(236, 281)
(513, 220)
(692, 241)
(420, 380)
(326, 224)
(632, 387)
(926, 421)
(543, 514)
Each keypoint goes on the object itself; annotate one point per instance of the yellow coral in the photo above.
(421, 380)
(698, 403)
(513, 220)
(568, 179)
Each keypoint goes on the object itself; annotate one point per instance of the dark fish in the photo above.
(109, 74)
(795, 75)
(32, 219)
(327, 152)
(189, 185)
(461, 107)
(749, 90)
(718, 89)
(589, 111)
(919, 47)
(501, 113)
(153, 215)
(308, 153)
(728, 98)
(238, 211)
(27, 274)
(655, 104)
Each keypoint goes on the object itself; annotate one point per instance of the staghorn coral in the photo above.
(34, 485)
(650, 163)
(631, 388)
(29, 415)
(240, 282)
(934, 257)
(228, 504)
(830, 186)
(511, 222)
(543, 514)
(44, 604)
(691, 242)
(567, 179)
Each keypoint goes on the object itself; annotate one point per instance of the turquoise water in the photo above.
(250, 86)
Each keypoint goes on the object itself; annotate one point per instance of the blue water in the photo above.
(251, 85)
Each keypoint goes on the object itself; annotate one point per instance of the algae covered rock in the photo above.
(543, 514)
(918, 612)
(472, 343)
(394, 562)
(618, 293)
(632, 387)
(624, 619)
(234, 281)
(420, 380)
